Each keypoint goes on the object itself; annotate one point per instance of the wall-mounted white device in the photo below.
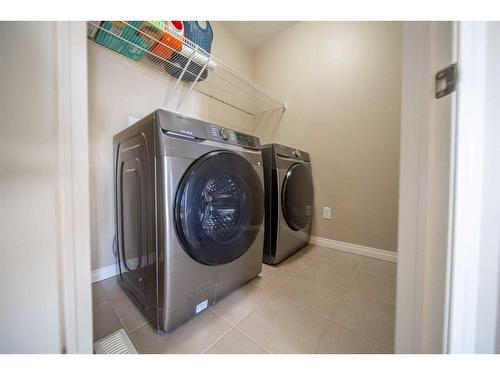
(327, 213)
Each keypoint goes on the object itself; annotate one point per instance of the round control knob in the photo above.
(296, 153)
(224, 133)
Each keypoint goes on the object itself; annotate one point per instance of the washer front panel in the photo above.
(219, 208)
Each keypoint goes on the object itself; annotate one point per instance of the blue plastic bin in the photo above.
(203, 37)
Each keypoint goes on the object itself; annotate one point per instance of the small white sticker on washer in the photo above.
(201, 306)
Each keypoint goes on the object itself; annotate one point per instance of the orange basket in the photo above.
(169, 40)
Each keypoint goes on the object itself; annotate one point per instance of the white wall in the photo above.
(30, 308)
(119, 88)
(342, 83)
(44, 207)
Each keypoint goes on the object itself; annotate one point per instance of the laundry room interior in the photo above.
(246, 182)
(330, 93)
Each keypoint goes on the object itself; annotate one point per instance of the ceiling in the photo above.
(253, 34)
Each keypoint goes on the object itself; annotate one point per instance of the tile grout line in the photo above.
(114, 308)
(127, 304)
(378, 275)
(137, 328)
(350, 291)
(335, 313)
(355, 274)
(118, 316)
(275, 293)
(306, 264)
(220, 316)
(233, 325)
(247, 314)
(251, 339)
(345, 287)
(375, 299)
(272, 293)
(103, 289)
(255, 308)
(100, 304)
(303, 306)
(364, 294)
(105, 295)
(251, 282)
(294, 273)
(115, 316)
(297, 272)
(372, 338)
(217, 340)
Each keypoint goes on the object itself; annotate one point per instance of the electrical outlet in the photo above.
(327, 213)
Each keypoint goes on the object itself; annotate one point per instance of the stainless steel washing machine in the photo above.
(289, 201)
(189, 214)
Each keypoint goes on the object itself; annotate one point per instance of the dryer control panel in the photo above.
(218, 133)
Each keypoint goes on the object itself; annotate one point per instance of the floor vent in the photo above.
(116, 343)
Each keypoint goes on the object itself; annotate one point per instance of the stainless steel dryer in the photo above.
(189, 214)
(289, 201)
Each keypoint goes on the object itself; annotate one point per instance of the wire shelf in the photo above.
(190, 66)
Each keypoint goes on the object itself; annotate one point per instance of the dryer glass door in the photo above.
(219, 208)
(297, 196)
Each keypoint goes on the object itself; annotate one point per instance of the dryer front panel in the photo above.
(297, 196)
(219, 208)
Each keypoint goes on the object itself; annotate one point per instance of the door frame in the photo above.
(426, 180)
(475, 265)
(73, 187)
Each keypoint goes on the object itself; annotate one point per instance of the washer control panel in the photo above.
(226, 135)
(246, 140)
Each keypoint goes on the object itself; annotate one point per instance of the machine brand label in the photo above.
(201, 306)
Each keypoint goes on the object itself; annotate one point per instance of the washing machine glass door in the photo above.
(219, 208)
(297, 196)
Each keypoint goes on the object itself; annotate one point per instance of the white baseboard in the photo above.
(110, 271)
(104, 273)
(371, 252)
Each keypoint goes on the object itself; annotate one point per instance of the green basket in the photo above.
(124, 30)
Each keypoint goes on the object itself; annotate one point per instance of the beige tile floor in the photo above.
(317, 301)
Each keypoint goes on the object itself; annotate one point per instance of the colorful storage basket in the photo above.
(170, 40)
(203, 37)
(135, 32)
(200, 36)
